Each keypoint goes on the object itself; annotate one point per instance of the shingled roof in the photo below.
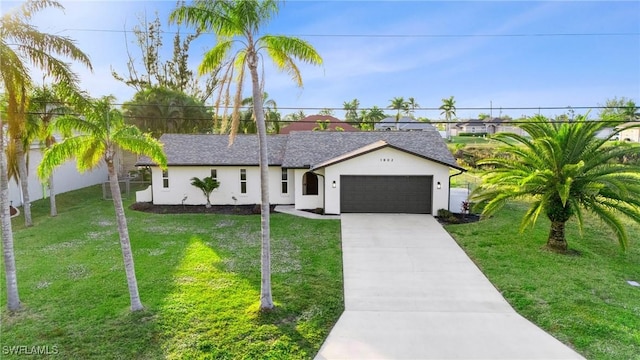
(207, 150)
(303, 149)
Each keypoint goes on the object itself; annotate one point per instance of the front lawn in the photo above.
(199, 279)
(583, 300)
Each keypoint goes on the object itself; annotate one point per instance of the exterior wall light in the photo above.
(333, 184)
(438, 185)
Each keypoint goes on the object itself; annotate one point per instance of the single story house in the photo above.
(630, 133)
(369, 172)
(311, 122)
(405, 123)
(486, 126)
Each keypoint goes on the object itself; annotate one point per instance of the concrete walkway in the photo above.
(412, 293)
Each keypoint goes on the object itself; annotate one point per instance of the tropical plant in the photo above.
(21, 44)
(370, 117)
(564, 169)
(207, 185)
(623, 108)
(399, 104)
(322, 125)
(351, 112)
(101, 132)
(159, 110)
(239, 22)
(412, 105)
(271, 116)
(448, 108)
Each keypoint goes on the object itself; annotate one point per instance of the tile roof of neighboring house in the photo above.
(310, 122)
(303, 149)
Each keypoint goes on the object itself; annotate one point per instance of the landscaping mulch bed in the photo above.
(198, 209)
(458, 219)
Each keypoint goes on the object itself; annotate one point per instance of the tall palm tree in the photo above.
(238, 22)
(412, 105)
(351, 112)
(101, 133)
(20, 44)
(45, 104)
(565, 168)
(399, 104)
(448, 108)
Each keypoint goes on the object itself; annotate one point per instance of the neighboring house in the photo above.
(404, 124)
(632, 134)
(65, 178)
(487, 126)
(384, 172)
(311, 122)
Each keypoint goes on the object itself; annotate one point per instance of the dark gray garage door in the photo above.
(385, 194)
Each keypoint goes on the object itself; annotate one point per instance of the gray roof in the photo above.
(404, 123)
(187, 149)
(300, 149)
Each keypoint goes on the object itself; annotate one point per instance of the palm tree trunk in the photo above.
(125, 243)
(557, 241)
(13, 299)
(52, 198)
(266, 299)
(24, 182)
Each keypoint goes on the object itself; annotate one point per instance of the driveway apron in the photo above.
(412, 293)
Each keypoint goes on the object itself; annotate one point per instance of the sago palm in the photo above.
(240, 47)
(564, 169)
(101, 133)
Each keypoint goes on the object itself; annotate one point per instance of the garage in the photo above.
(386, 194)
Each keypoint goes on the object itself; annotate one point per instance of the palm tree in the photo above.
(207, 185)
(239, 22)
(412, 105)
(46, 103)
(351, 112)
(101, 133)
(370, 117)
(399, 104)
(565, 169)
(448, 108)
(21, 44)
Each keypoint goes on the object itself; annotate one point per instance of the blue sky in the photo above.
(483, 53)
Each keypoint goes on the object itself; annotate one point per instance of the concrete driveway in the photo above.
(412, 293)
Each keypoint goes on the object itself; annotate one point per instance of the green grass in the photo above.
(583, 300)
(469, 140)
(199, 279)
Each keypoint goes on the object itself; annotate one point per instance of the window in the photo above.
(165, 179)
(285, 181)
(243, 181)
(214, 174)
(309, 184)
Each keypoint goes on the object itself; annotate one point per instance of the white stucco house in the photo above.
(383, 172)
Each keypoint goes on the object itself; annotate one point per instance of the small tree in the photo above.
(207, 185)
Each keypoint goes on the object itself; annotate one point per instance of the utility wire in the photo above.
(392, 36)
